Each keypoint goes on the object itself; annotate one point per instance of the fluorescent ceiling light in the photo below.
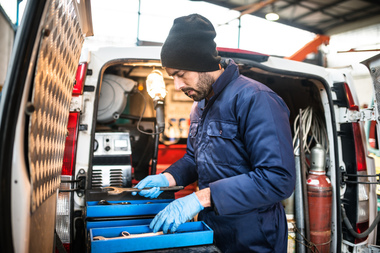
(272, 16)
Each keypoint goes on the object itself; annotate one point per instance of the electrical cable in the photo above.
(313, 129)
(141, 116)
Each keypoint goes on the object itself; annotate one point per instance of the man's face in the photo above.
(196, 85)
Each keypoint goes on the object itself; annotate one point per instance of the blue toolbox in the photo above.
(123, 226)
(121, 239)
(126, 208)
(116, 220)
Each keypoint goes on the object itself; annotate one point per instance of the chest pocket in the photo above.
(225, 130)
(221, 145)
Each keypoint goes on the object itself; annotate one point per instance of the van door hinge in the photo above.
(76, 104)
(346, 115)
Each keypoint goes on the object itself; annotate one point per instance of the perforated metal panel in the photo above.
(60, 46)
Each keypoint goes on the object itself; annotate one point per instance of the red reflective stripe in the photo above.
(71, 143)
(80, 78)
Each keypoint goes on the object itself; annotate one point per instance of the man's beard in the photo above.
(204, 87)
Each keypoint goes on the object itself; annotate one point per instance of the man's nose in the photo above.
(178, 83)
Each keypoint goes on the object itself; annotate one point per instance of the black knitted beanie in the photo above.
(190, 45)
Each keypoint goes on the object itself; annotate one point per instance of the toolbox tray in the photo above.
(136, 207)
(117, 223)
(187, 234)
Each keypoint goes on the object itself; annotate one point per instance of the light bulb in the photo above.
(272, 16)
(155, 85)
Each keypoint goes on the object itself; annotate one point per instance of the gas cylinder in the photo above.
(319, 193)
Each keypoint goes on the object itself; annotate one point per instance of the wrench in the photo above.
(105, 203)
(126, 235)
(113, 190)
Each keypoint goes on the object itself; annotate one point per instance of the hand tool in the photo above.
(126, 235)
(105, 202)
(112, 190)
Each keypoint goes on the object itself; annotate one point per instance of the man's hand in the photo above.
(155, 181)
(176, 213)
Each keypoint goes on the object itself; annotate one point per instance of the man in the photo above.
(239, 147)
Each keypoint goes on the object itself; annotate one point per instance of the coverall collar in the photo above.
(231, 72)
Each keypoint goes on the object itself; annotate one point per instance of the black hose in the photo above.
(351, 229)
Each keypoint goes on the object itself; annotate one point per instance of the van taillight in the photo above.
(359, 148)
(62, 224)
(80, 78)
(70, 147)
(350, 98)
(63, 219)
(361, 165)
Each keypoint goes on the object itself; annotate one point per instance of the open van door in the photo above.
(373, 64)
(34, 112)
(373, 125)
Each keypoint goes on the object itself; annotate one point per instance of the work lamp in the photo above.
(155, 86)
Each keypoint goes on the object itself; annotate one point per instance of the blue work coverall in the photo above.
(240, 145)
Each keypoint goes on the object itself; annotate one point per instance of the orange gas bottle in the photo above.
(319, 193)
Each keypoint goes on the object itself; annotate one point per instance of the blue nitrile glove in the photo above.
(154, 181)
(177, 212)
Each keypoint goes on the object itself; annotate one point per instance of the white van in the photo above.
(61, 146)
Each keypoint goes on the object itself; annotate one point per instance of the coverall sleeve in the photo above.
(265, 131)
(184, 170)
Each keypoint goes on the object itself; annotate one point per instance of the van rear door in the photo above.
(34, 111)
(373, 64)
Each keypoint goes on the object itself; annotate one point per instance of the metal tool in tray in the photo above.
(126, 235)
(113, 190)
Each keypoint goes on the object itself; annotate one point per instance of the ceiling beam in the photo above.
(321, 9)
(331, 22)
(376, 2)
(346, 18)
(366, 11)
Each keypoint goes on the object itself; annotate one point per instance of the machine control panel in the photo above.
(112, 160)
(112, 144)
